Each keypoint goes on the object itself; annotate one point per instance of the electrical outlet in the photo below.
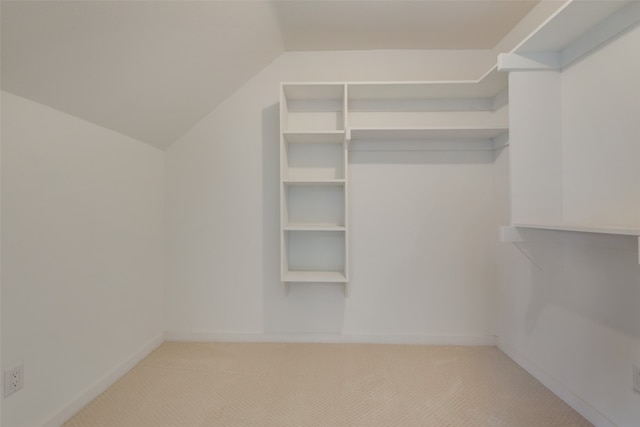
(636, 378)
(13, 379)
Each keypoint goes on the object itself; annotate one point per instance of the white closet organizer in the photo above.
(321, 122)
(562, 177)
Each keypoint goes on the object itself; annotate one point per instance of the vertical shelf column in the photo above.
(313, 183)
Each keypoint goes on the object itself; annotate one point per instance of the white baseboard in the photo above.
(482, 340)
(569, 397)
(101, 385)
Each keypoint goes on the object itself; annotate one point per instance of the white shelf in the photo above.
(315, 276)
(568, 24)
(313, 181)
(453, 133)
(512, 233)
(600, 229)
(315, 137)
(314, 227)
(488, 86)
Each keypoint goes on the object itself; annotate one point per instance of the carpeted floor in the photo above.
(328, 385)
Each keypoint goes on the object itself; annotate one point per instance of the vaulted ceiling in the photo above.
(152, 69)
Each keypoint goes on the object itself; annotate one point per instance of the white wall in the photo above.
(421, 222)
(570, 302)
(83, 256)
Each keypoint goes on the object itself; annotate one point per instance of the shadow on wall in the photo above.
(596, 277)
(308, 308)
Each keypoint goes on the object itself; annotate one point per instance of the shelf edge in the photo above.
(511, 233)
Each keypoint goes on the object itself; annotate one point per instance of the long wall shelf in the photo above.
(443, 133)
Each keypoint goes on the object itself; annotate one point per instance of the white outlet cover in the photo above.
(13, 379)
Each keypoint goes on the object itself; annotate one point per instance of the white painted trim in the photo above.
(479, 340)
(102, 384)
(580, 405)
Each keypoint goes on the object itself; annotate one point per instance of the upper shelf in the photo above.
(576, 29)
(489, 85)
(568, 24)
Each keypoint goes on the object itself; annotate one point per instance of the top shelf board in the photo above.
(570, 22)
(446, 134)
(490, 85)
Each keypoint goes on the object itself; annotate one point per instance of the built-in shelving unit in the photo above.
(563, 174)
(321, 122)
(313, 189)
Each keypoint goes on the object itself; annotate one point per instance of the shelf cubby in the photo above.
(317, 158)
(314, 203)
(317, 107)
(314, 256)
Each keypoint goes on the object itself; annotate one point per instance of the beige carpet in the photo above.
(242, 384)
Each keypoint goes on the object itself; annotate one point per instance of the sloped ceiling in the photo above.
(354, 25)
(152, 69)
